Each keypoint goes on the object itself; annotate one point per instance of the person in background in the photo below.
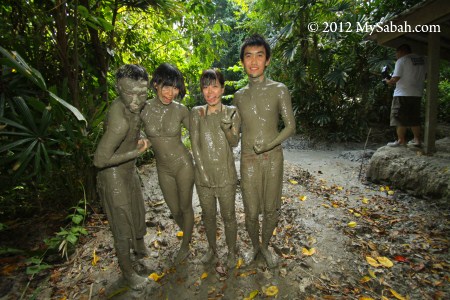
(163, 118)
(408, 77)
(261, 104)
(214, 131)
(118, 183)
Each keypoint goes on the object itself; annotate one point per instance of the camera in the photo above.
(385, 74)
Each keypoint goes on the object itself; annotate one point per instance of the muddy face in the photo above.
(213, 94)
(255, 61)
(133, 93)
(166, 94)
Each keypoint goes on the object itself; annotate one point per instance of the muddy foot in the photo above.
(136, 282)
(250, 256)
(269, 257)
(182, 254)
(210, 256)
(231, 260)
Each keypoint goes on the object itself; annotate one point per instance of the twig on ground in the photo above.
(364, 154)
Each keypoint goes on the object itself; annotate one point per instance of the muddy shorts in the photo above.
(405, 111)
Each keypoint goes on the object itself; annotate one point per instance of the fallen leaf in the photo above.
(204, 275)
(352, 224)
(180, 234)
(155, 276)
(326, 205)
(293, 181)
(340, 188)
(400, 258)
(95, 258)
(385, 261)
(357, 215)
(252, 295)
(271, 291)
(397, 295)
(391, 193)
(239, 263)
(372, 274)
(274, 233)
(365, 200)
(365, 279)
(372, 261)
(365, 298)
(309, 252)
(302, 198)
(245, 274)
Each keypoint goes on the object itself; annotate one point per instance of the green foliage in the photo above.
(68, 237)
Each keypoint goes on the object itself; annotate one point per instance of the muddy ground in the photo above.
(339, 237)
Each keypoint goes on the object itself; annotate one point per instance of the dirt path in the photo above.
(330, 223)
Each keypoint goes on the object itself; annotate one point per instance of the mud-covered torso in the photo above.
(162, 126)
(212, 148)
(261, 104)
(122, 128)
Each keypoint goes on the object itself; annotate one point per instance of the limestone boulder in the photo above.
(408, 169)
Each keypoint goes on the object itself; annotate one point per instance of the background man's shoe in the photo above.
(414, 143)
(395, 144)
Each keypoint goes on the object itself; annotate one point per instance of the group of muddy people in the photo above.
(134, 124)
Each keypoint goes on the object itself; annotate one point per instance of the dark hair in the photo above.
(255, 40)
(135, 72)
(168, 75)
(210, 76)
(404, 48)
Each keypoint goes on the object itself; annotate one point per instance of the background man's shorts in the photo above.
(405, 111)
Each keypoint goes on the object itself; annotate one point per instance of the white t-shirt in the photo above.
(411, 69)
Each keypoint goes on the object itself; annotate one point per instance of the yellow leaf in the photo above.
(387, 188)
(382, 188)
(302, 198)
(240, 262)
(204, 275)
(271, 291)
(397, 295)
(155, 276)
(390, 192)
(326, 205)
(352, 224)
(308, 252)
(385, 261)
(274, 232)
(95, 258)
(357, 215)
(252, 295)
(340, 188)
(384, 298)
(372, 261)
(180, 234)
(365, 279)
(365, 298)
(365, 200)
(372, 274)
(293, 181)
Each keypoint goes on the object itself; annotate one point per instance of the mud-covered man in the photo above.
(261, 104)
(118, 183)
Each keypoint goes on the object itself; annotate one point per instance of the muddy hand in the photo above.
(143, 145)
(225, 123)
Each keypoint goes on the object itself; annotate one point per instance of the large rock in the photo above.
(409, 170)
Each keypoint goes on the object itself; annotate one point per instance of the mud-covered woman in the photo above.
(163, 118)
(214, 131)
